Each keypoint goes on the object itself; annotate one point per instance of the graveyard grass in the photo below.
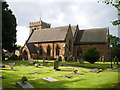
(105, 79)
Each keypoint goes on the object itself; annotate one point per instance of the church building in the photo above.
(45, 42)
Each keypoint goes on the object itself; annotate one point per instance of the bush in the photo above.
(70, 58)
(14, 57)
(115, 51)
(91, 55)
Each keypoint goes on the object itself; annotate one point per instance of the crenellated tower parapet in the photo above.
(38, 25)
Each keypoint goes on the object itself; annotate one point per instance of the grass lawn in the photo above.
(105, 79)
(103, 65)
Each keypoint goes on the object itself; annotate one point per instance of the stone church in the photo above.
(45, 42)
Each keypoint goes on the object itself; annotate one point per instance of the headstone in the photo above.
(41, 64)
(96, 70)
(0, 76)
(0, 65)
(50, 79)
(11, 65)
(56, 64)
(24, 85)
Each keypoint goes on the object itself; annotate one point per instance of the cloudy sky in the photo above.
(85, 13)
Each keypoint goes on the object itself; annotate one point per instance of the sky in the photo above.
(86, 13)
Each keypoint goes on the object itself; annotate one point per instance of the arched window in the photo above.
(79, 51)
(70, 43)
(48, 50)
(57, 50)
(40, 50)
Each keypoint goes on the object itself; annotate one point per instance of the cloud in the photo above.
(88, 14)
(22, 35)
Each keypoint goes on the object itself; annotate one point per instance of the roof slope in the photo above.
(91, 36)
(49, 34)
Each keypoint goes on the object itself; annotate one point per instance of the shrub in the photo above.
(13, 57)
(115, 52)
(91, 55)
(70, 58)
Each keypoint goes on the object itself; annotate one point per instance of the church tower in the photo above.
(38, 25)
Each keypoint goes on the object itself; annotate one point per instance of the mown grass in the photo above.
(103, 79)
(103, 65)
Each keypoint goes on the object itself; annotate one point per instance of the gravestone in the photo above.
(24, 85)
(11, 65)
(56, 65)
(49, 79)
(96, 70)
(0, 76)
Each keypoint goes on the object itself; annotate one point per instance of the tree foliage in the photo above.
(115, 52)
(8, 28)
(116, 4)
(91, 55)
(114, 41)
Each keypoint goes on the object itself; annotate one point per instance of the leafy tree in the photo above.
(116, 52)
(116, 4)
(114, 41)
(91, 55)
(8, 28)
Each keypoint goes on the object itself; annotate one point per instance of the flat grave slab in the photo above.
(24, 85)
(84, 71)
(12, 64)
(26, 68)
(66, 77)
(78, 74)
(50, 79)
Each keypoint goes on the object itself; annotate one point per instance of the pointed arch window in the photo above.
(40, 50)
(70, 44)
(79, 51)
(57, 50)
(48, 50)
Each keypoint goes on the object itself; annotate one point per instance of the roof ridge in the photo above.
(94, 28)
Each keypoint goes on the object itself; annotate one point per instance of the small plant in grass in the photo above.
(91, 55)
(24, 79)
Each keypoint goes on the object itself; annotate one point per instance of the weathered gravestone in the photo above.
(49, 79)
(56, 65)
(66, 77)
(11, 65)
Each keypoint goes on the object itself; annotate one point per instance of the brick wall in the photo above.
(53, 49)
(102, 48)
